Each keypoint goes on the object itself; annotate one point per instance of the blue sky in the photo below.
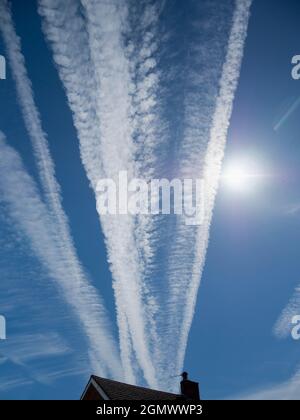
(251, 268)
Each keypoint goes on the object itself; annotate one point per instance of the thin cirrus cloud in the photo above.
(14, 381)
(31, 215)
(38, 358)
(94, 322)
(287, 390)
(22, 348)
(119, 98)
(293, 209)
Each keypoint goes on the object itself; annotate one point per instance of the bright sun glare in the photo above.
(241, 176)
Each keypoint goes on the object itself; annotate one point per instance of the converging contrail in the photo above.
(148, 101)
(101, 342)
(30, 213)
(198, 138)
(214, 154)
(150, 135)
(101, 153)
(105, 25)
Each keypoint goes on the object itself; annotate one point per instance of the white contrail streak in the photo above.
(201, 147)
(65, 30)
(214, 156)
(105, 105)
(148, 131)
(29, 110)
(104, 25)
(207, 106)
(100, 341)
(32, 216)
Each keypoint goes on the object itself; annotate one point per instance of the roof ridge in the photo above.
(135, 386)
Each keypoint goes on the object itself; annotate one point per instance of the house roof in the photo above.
(120, 391)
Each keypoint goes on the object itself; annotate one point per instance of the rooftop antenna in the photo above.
(183, 375)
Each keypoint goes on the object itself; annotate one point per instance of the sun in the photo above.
(241, 176)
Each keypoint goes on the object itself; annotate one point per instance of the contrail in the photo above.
(150, 139)
(136, 125)
(108, 112)
(104, 25)
(51, 188)
(30, 113)
(293, 107)
(63, 22)
(209, 83)
(198, 138)
(214, 155)
(32, 215)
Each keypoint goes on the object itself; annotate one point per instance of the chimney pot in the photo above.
(189, 389)
(184, 376)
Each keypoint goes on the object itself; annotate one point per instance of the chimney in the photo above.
(189, 389)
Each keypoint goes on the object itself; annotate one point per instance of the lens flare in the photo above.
(241, 176)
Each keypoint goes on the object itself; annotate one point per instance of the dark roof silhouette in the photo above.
(114, 390)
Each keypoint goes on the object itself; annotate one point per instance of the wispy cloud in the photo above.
(292, 209)
(93, 317)
(39, 358)
(22, 348)
(9, 382)
(288, 390)
(32, 216)
(284, 118)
